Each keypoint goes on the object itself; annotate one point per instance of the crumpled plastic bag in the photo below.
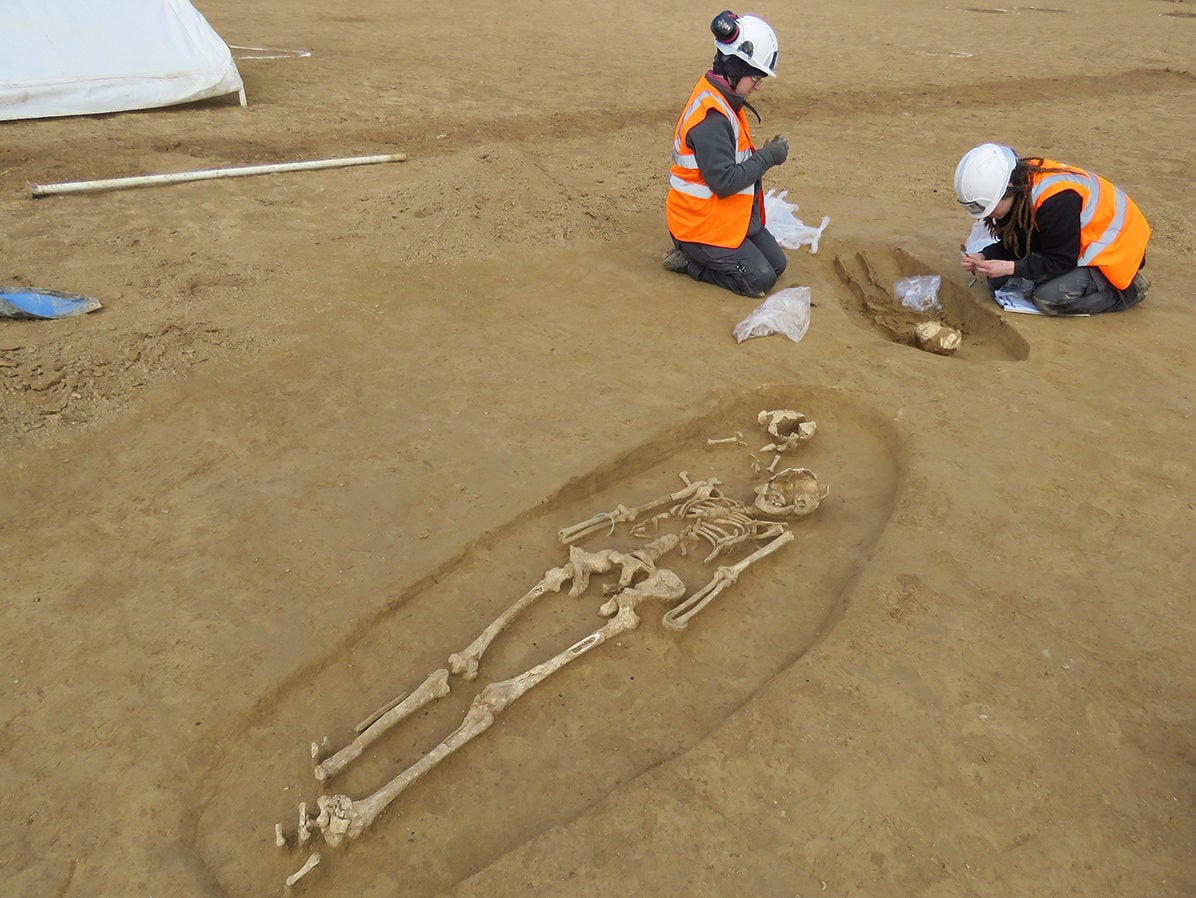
(785, 312)
(979, 238)
(920, 293)
(1014, 290)
(789, 230)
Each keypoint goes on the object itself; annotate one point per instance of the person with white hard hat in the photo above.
(1077, 237)
(715, 205)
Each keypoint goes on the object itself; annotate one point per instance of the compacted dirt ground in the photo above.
(328, 424)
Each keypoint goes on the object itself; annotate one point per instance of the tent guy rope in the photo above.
(209, 174)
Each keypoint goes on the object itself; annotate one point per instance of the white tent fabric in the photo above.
(82, 57)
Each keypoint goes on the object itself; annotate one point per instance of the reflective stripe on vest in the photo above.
(694, 212)
(1113, 231)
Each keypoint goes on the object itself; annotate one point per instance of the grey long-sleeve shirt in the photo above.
(713, 143)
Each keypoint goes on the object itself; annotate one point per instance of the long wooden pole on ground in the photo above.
(142, 180)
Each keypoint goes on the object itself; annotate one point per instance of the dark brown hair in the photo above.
(1014, 233)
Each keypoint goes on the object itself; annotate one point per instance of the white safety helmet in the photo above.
(754, 42)
(982, 177)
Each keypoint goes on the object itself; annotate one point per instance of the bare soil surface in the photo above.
(328, 425)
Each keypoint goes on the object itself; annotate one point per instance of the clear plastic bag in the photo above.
(785, 312)
(789, 230)
(919, 293)
(1014, 290)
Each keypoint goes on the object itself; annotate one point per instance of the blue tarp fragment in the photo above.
(28, 302)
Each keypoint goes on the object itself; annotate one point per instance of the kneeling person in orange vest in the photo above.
(1077, 237)
(715, 205)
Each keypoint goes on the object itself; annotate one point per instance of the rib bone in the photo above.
(342, 816)
(678, 618)
(434, 687)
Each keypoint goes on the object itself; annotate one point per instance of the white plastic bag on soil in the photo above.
(785, 312)
(789, 230)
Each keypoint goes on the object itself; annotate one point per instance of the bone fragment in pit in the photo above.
(361, 725)
(434, 687)
(737, 440)
(678, 618)
(787, 428)
(280, 841)
(307, 867)
(304, 834)
(623, 514)
(793, 492)
(343, 817)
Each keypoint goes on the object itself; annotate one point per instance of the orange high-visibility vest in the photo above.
(1113, 230)
(693, 212)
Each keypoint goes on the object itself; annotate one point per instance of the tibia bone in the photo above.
(434, 687)
(343, 817)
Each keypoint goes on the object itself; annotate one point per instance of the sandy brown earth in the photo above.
(328, 424)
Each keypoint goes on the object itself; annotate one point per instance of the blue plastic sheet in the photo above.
(28, 302)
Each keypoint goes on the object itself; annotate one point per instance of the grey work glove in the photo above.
(775, 150)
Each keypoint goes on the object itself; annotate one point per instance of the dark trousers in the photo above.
(751, 269)
(1082, 290)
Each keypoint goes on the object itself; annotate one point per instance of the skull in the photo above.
(793, 492)
(787, 428)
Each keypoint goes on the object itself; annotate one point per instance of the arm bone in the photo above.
(678, 618)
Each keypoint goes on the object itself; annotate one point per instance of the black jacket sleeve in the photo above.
(1054, 240)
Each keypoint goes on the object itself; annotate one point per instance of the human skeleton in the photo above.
(698, 512)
